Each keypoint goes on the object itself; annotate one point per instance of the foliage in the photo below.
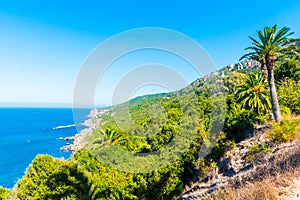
(286, 131)
(285, 111)
(83, 175)
(260, 148)
(288, 68)
(234, 80)
(145, 125)
(271, 44)
(217, 152)
(253, 94)
(49, 178)
(239, 122)
(4, 193)
(289, 95)
(149, 123)
(104, 182)
(271, 41)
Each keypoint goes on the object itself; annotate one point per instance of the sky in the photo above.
(43, 44)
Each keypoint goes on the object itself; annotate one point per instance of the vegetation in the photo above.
(49, 178)
(272, 45)
(289, 95)
(286, 131)
(288, 66)
(149, 147)
(269, 187)
(258, 149)
(252, 94)
(264, 190)
(4, 193)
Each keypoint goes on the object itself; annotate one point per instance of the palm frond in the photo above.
(262, 37)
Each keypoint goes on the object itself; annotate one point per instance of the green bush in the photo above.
(289, 95)
(239, 122)
(49, 178)
(4, 193)
(285, 111)
(217, 152)
(286, 131)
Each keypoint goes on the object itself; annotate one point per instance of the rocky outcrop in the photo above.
(79, 139)
(236, 169)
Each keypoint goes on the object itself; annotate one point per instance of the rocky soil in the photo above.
(236, 169)
(79, 139)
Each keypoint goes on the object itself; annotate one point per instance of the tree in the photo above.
(289, 95)
(231, 82)
(252, 94)
(271, 45)
(288, 66)
(4, 193)
(112, 137)
(259, 58)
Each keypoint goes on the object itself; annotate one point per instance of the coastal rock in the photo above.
(79, 139)
(69, 138)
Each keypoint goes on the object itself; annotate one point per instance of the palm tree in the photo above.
(252, 94)
(112, 137)
(272, 44)
(259, 58)
(231, 82)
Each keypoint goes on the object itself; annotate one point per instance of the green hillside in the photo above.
(154, 145)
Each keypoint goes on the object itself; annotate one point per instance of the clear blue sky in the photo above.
(43, 43)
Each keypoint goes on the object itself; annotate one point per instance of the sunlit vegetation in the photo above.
(286, 131)
(111, 165)
(253, 93)
(3, 193)
(272, 44)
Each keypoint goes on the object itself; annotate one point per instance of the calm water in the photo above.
(26, 132)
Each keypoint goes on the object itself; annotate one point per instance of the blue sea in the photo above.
(26, 132)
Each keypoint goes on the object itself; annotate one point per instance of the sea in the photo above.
(27, 132)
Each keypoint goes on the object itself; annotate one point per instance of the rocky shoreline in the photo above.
(78, 140)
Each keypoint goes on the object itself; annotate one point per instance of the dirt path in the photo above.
(293, 191)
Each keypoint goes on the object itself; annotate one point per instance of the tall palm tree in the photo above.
(259, 58)
(271, 44)
(253, 93)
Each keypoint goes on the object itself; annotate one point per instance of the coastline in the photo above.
(78, 140)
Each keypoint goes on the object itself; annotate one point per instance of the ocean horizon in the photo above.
(27, 132)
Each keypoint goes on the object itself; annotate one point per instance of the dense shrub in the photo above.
(286, 131)
(49, 178)
(4, 193)
(289, 95)
(239, 122)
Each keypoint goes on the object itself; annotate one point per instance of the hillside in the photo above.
(273, 170)
(182, 144)
(216, 134)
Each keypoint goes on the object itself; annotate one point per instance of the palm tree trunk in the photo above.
(264, 69)
(273, 93)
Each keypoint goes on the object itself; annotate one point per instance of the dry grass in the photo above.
(275, 181)
(271, 188)
(264, 190)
